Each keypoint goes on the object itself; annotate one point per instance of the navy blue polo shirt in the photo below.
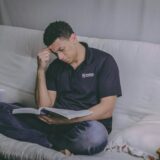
(81, 88)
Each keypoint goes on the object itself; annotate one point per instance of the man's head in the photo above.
(58, 29)
(62, 41)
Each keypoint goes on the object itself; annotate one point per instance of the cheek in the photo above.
(70, 53)
(73, 56)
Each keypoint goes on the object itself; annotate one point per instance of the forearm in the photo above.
(100, 111)
(97, 114)
(41, 92)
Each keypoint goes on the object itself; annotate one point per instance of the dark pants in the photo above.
(87, 137)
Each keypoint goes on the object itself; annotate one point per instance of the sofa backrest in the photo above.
(18, 49)
(139, 66)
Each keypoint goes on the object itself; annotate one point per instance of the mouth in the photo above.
(66, 60)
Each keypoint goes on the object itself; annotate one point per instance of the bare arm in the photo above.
(100, 111)
(43, 97)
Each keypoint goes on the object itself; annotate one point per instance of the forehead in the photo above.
(58, 43)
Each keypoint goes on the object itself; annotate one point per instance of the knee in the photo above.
(93, 140)
(96, 132)
(97, 138)
(6, 107)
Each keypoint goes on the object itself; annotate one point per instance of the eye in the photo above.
(61, 49)
(54, 53)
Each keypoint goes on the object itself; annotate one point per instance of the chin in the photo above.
(66, 62)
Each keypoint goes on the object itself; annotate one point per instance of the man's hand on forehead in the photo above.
(43, 58)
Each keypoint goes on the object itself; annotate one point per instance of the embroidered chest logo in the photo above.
(87, 75)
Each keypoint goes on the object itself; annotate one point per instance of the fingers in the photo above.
(42, 118)
(47, 119)
(44, 53)
(43, 58)
(66, 152)
(54, 120)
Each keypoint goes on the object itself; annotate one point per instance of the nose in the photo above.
(60, 56)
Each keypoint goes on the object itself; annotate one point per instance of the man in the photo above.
(80, 78)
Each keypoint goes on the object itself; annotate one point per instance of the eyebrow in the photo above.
(51, 50)
(59, 49)
(55, 53)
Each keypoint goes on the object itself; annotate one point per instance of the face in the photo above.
(65, 49)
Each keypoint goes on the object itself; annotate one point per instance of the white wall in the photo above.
(117, 19)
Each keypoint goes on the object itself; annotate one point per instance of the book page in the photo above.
(69, 113)
(26, 111)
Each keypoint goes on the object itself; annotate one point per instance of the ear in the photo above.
(73, 37)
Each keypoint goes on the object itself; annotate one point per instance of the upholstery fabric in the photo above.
(138, 62)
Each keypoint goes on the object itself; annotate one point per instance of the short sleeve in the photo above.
(51, 77)
(108, 79)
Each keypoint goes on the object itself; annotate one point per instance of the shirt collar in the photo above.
(87, 53)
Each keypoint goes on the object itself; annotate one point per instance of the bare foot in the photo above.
(66, 152)
(151, 158)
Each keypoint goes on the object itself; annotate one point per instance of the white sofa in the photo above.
(139, 65)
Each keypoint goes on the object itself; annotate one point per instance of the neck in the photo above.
(80, 55)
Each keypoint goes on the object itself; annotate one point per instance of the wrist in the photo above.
(41, 70)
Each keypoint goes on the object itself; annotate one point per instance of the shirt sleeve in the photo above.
(51, 77)
(108, 79)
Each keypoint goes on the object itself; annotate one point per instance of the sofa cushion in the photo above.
(18, 50)
(141, 139)
(139, 64)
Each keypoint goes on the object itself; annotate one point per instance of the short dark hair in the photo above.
(56, 30)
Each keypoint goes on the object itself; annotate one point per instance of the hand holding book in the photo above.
(54, 119)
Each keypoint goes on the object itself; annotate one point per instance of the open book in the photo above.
(52, 111)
